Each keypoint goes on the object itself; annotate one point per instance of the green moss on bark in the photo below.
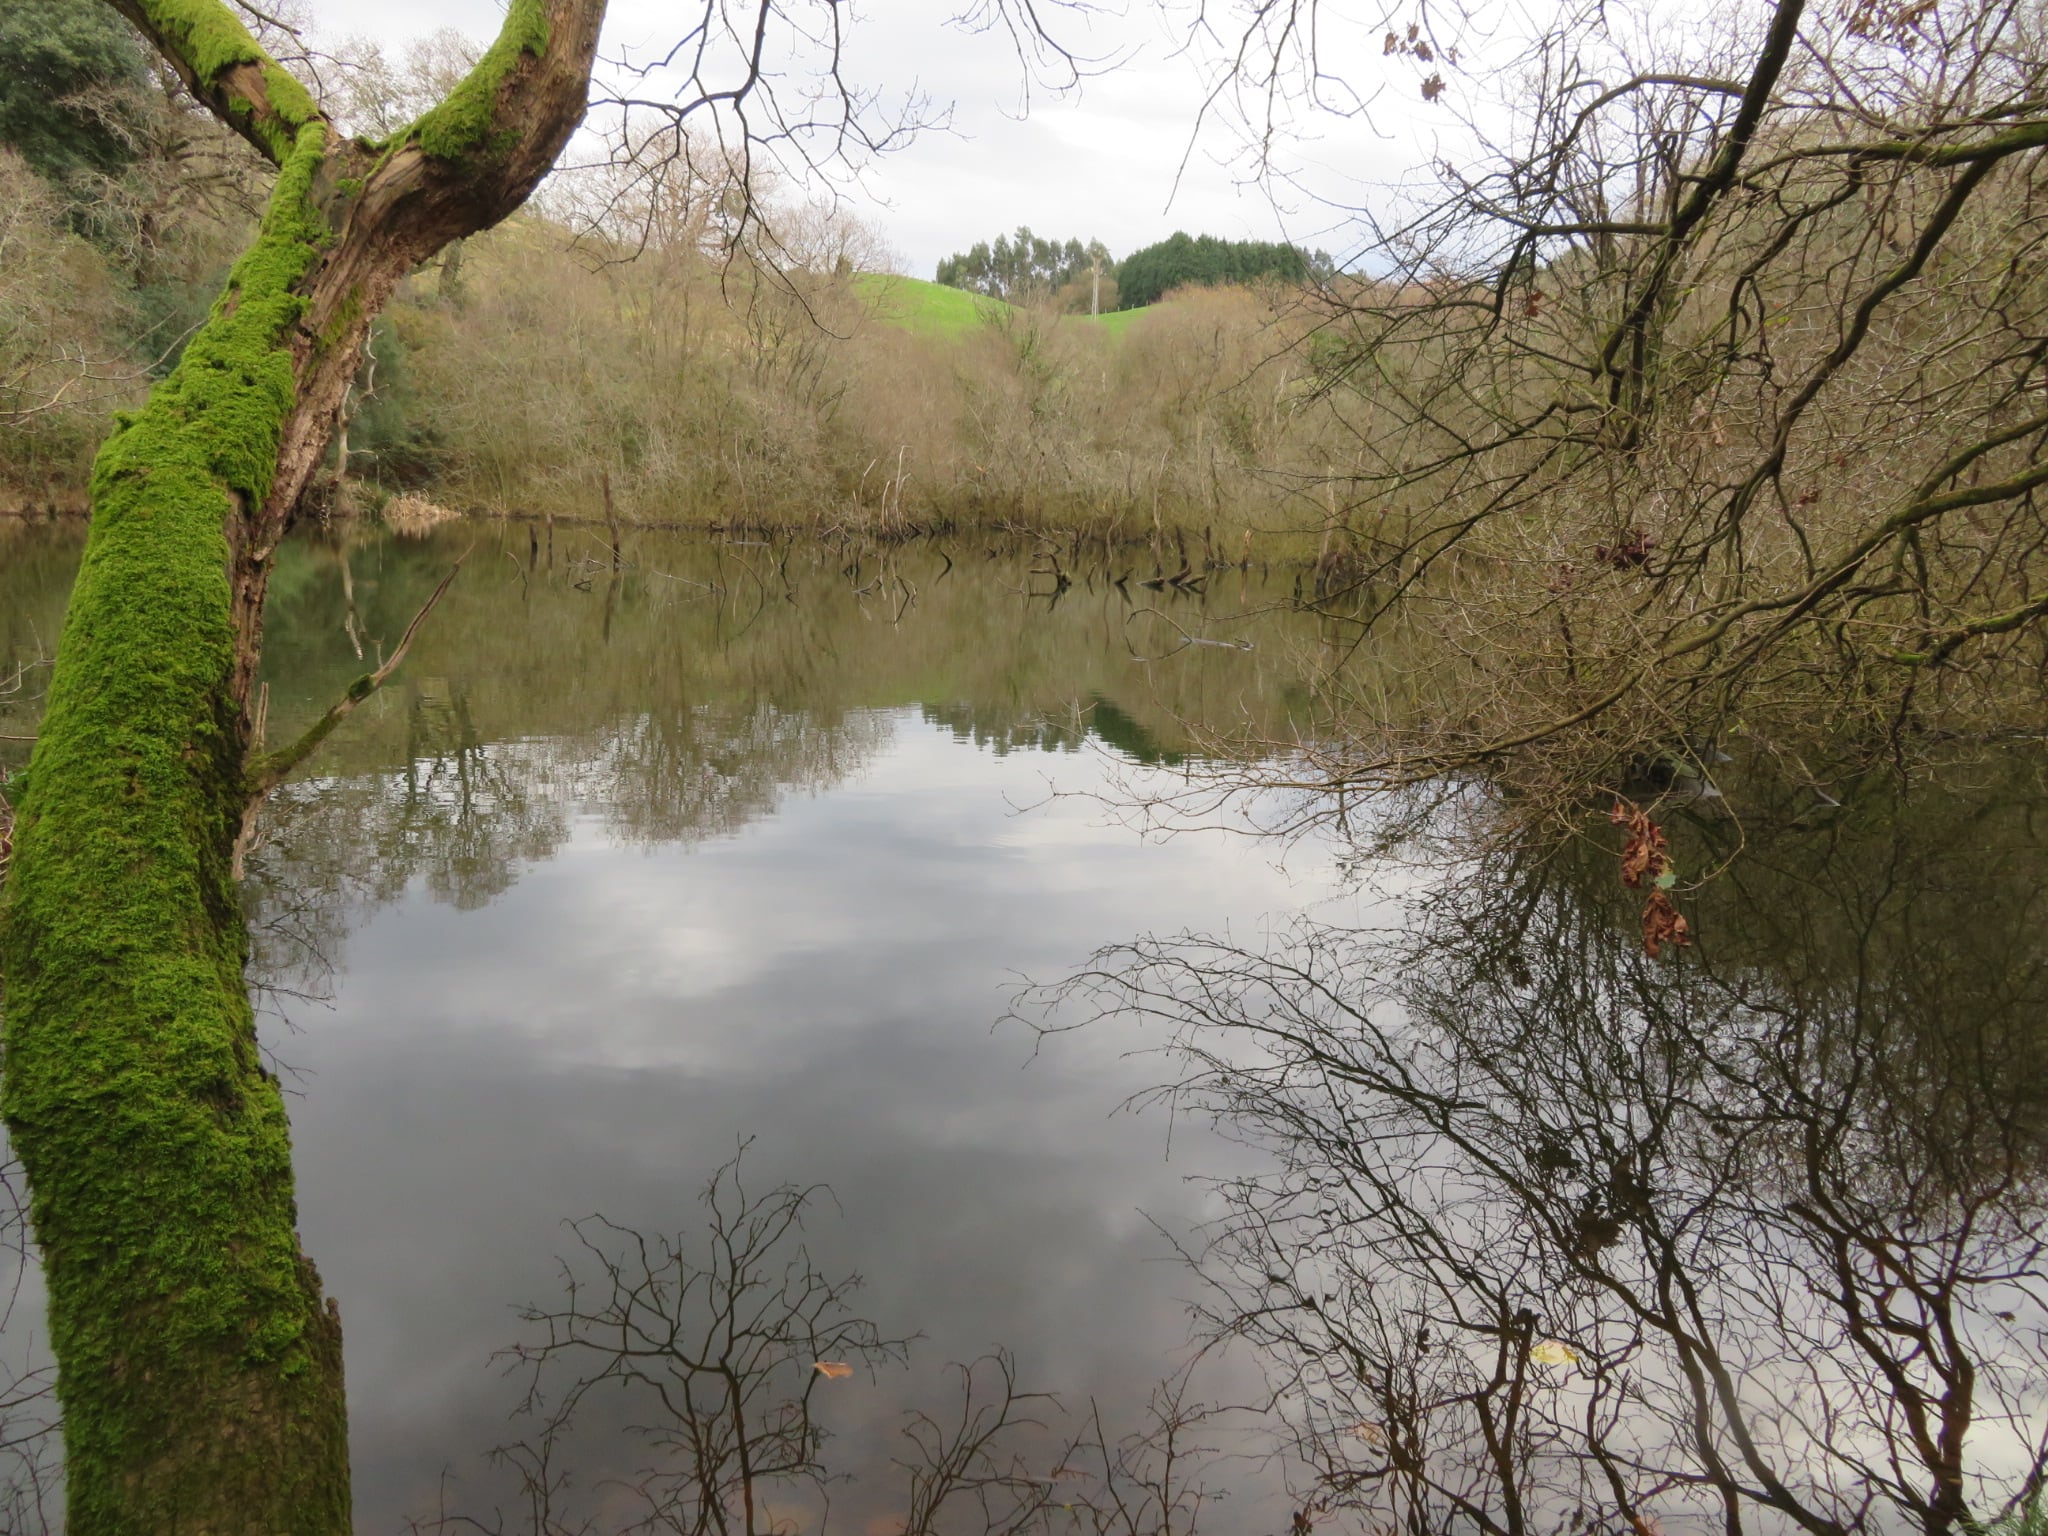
(207, 36)
(198, 1371)
(462, 125)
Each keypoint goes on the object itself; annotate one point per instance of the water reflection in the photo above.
(614, 874)
(604, 1030)
(1560, 1236)
(1530, 1231)
(677, 701)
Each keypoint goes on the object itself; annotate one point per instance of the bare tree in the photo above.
(54, 360)
(1557, 1236)
(731, 1339)
(1697, 392)
(726, 1343)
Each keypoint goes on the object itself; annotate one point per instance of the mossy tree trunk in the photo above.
(199, 1365)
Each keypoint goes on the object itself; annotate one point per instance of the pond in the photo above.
(716, 849)
(736, 845)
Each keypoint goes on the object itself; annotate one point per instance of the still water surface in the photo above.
(738, 845)
(621, 871)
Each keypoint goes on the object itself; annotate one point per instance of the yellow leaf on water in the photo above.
(1369, 1432)
(1553, 1352)
(832, 1370)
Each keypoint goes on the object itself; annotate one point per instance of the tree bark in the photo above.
(199, 1367)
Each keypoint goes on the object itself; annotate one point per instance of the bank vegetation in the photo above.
(709, 344)
(1694, 411)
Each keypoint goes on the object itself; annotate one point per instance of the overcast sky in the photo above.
(1110, 159)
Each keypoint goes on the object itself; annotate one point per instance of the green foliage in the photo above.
(1182, 261)
(1023, 268)
(155, 1143)
(71, 74)
(2027, 1519)
(460, 126)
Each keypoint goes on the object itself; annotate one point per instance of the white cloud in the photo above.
(1115, 158)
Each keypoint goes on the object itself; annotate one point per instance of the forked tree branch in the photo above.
(271, 769)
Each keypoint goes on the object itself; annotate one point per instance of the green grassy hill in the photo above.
(1117, 321)
(930, 309)
(926, 308)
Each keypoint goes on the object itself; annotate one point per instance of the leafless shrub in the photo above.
(60, 367)
(726, 1345)
(1560, 1236)
(1701, 400)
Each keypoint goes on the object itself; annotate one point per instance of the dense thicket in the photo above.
(1182, 260)
(764, 381)
(1706, 405)
(784, 394)
(70, 74)
(120, 209)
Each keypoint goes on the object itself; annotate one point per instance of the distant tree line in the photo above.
(1023, 268)
(1182, 261)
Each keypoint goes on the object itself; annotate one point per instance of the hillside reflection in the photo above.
(677, 700)
(1558, 1236)
(567, 648)
(1540, 1234)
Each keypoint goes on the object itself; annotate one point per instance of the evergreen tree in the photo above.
(71, 77)
(1019, 268)
(1182, 260)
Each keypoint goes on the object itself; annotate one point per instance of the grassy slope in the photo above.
(926, 308)
(932, 310)
(1117, 321)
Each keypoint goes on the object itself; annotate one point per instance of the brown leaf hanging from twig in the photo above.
(1643, 856)
(1646, 864)
(1663, 924)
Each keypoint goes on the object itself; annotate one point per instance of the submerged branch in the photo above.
(271, 769)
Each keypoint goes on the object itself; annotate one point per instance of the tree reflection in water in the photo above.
(1553, 1236)
(722, 1343)
(1550, 1236)
(464, 814)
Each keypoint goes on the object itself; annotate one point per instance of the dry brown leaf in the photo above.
(1663, 924)
(1643, 857)
(1645, 861)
